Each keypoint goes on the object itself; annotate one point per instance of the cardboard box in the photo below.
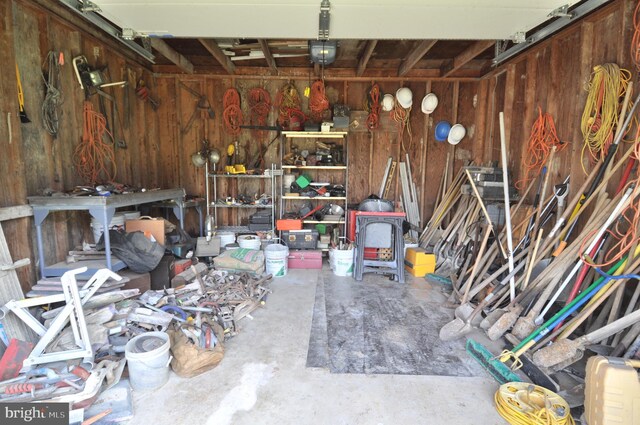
(153, 226)
(140, 281)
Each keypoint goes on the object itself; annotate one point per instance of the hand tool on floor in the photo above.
(568, 351)
(622, 204)
(591, 292)
(507, 206)
(601, 172)
(23, 114)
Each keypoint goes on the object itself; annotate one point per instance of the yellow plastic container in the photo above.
(612, 392)
(418, 263)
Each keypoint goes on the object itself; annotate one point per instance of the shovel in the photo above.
(566, 351)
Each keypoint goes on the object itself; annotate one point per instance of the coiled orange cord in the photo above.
(635, 40)
(259, 106)
(318, 102)
(372, 105)
(232, 113)
(401, 116)
(93, 158)
(288, 103)
(543, 138)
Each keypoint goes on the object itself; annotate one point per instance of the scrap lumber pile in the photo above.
(88, 330)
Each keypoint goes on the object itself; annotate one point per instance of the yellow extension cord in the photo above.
(521, 403)
(607, 86)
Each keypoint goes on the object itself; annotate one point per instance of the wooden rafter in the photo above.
(264, 45)
(215, 50)
(169, 53)
(417, 53)
(366, 55)
(467, 56)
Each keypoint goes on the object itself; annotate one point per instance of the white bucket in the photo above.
(342, 264)
(226, 238)
(148, 360)
(249, 242)
(276, 258)
(116, 223)
(287, 180)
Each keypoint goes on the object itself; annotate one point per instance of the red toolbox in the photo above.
(305, 259)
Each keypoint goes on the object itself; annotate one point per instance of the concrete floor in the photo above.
(263, 380)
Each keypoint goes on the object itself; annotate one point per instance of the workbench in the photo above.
(102, 208)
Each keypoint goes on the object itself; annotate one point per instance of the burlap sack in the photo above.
(190, 360)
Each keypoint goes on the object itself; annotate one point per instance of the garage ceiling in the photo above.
(350, 19)
(418, 38)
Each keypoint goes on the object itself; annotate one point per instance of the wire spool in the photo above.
(249, 242)
(318, 101)
(288, 103)
(94, 159)
(521, 403)
(232, 113)
(373, 106)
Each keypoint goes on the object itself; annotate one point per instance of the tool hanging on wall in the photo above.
(142, 91)
(51, 105)
(91, 79)
(23, 115)
(201, 104)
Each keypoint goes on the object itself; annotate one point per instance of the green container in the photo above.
(303, 180)
(321, 228)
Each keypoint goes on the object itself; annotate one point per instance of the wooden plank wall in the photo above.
(31, 159)
(368, 150)
(553, 76)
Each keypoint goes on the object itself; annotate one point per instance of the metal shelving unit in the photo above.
(215, 205)
(343, 169)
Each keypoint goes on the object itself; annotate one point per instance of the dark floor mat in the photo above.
(382, 327)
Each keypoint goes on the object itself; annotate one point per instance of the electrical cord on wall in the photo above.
(232, 113)
(94, 159)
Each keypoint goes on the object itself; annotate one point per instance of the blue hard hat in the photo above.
(442, 130)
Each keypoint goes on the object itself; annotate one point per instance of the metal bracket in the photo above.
(519, 37)
(561, 12)
(89, 6)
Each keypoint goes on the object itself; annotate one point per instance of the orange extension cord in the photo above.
(543, 138)
(318, 102)
(635, 40)
(290, 116)
(259, 106)
(232, 113)
(93, 158)
(372, 105)
(401, 116)
(625, 231)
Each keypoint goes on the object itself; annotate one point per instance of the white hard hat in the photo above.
(387, 102)
(456, 134)
(429, 103)
(404, 97)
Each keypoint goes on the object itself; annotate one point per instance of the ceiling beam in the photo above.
(466, 56)
(175, 57)
(264, 45)
(215, 50)
(364, 58)
(417, 53)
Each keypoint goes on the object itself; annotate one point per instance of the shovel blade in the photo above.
(455, 329)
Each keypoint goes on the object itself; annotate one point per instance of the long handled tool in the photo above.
(507, 207)
(594, 242)
(601, 172)
(566, 350)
